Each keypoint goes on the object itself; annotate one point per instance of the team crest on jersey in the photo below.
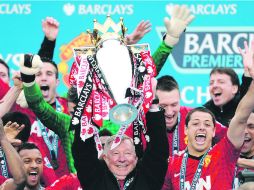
(207, 160)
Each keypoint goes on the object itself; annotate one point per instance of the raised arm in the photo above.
(247, 56)
(50, 27)
(180, 19)
(14, 163)
(155, 160)
(238, 123)
(56, 121)
(142, 28)
(10, 97)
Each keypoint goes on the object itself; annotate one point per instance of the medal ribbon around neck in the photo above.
(197, 173)
(175, 146)
(3, 163)
(52, 146)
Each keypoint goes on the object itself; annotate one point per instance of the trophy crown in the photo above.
(101, 32)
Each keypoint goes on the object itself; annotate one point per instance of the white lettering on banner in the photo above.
(202, 48)
(226, 42)
(105, 9)
(198, 95)
(208, 9)
(202, 184)
(15, 9)
(14, 58)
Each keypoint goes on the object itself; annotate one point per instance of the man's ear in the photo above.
(136, 160)
(235, 89)
(57, 82)
(185, 130)
(214, 131)
(104, 157)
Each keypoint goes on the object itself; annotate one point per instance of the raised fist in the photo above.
(29, 66)
(50, 27)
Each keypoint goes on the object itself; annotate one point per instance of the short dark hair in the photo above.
(5, 64)
(27, 146)
(19, 118)
(48, 60)
(199, 109)
(105, 132)
(72, 95)
(228, 71)
(167, 83)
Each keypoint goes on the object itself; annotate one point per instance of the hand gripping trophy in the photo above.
(113, 82)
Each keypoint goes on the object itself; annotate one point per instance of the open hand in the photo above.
(11, 131)
(180, 19)
(142, 28)
(247, 56)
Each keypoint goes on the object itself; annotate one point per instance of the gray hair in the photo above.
(110, 139)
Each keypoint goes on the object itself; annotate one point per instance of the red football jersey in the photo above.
(4, 88)
(217, 171)
(66, 182)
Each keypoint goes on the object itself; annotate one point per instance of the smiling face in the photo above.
(122, 159)
(200, 131)
(170, 101)
(221, 88)
(47, 81)
(33, 165)
(248, 146)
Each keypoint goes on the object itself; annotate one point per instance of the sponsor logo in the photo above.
(66, 54)
(98, 9)
(202, 48)
(208, 9)
(68, 9)
(18, 9)
(204, 184)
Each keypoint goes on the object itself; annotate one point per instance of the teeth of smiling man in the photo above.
(200, 135)
(247, 139)
(217, 94)
(33, 173)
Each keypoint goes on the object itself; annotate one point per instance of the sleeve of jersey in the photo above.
(246, 81)
(56, 121)
(66, 182)
(2, 179)
(154, 163)
(47, 48)
(89, 168)
(160, 56)
(167, 181)
(226, 155)
(4, 88)
(221, 132)
(228, 152)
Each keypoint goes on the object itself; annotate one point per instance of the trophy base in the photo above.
(123, 114)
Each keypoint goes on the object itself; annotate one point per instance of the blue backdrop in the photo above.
(211, 39)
